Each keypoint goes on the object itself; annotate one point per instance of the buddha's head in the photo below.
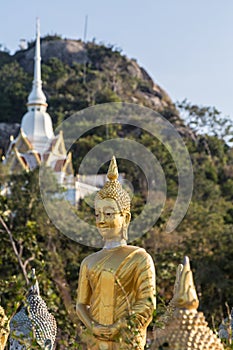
(112, 207)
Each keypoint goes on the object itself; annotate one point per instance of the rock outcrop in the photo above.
(82, 74)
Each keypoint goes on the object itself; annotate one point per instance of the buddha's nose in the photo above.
(101, 217)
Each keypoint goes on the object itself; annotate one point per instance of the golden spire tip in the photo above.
(113, 170)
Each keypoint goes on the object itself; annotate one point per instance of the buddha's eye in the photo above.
(97, 215)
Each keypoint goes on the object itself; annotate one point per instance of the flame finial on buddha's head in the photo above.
(113, 189)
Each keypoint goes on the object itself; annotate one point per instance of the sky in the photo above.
(185, 46)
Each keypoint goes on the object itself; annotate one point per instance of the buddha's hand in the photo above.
(117, 328)
(113, 331)
(106, 332)
(102, 332)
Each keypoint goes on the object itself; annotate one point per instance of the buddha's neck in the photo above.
(109, 244)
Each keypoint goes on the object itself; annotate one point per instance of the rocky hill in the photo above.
(76, 75)
(99, 57)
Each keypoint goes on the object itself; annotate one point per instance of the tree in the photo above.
(206, 120)
(14, 87)
(29, 240)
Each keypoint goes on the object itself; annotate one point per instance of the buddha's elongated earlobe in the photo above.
(125, 232)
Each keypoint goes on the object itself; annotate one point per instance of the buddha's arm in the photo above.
(142, 309)
(83, 302)
(83, 297)
(83, 314)
(145, 303)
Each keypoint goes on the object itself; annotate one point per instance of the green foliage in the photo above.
(106, 76)
(107, 95)
(53, 37)
(206, 120)
(55, 257)
(4, 58)
(96, 53)
(54, 70)
(14, 87)
(205, 234)
(227, 189)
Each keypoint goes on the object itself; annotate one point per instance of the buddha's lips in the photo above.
(105, 228)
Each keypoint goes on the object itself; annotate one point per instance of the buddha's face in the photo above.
(109, 220)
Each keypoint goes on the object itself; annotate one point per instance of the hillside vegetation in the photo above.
(77, 75)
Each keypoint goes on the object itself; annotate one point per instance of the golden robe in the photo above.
(119, 284)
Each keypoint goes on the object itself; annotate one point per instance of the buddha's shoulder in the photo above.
(126, 250)
(138, 251)
(135, 248)
(90, 257)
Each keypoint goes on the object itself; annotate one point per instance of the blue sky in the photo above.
(186, 46)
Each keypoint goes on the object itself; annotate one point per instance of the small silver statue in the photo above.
(33, 322)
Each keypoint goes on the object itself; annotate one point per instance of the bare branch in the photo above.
(28, 260)
(15, 249)
(20, 250)
(58, 276)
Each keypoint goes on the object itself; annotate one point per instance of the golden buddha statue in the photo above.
(4, 328)
(116, 289)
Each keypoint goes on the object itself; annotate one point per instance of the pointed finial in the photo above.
(113, 189)
(113, 170)
(185, 295)
(37, 96)
(37, 26)
(186, 262)
(34, 289)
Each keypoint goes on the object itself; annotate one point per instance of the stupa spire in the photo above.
(36, 123)
(37, 97)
